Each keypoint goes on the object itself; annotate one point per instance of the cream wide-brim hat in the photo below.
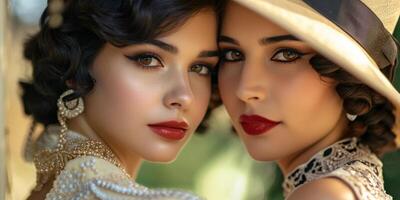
(306, 23)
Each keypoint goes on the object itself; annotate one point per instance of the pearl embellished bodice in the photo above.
(87, 169)
(347, 160)
(91, 177)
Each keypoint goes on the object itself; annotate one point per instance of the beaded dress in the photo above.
(347, 160)
(87, 169)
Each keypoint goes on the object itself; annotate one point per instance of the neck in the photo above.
(291, 162)
(133, 169)
(130, 162)
(81, 126)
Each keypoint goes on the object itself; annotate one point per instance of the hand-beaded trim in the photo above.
(75, 184)
(341, 155)
(50, 162)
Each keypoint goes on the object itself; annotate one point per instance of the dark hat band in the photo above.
(358, 21)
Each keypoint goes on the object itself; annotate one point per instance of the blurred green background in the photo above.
(391, 162)
(216, 166)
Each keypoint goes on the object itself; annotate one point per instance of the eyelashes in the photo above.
(147, 60)
(152, 61)
(231, 55)
(282, 55)
(287, 55)
(201, 69)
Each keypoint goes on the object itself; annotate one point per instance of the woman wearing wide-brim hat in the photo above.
(308, 83)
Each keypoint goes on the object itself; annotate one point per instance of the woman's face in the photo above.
(149, 98)
(278, 103)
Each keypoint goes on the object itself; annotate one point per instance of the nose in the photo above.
(180, 96)
(251, 87)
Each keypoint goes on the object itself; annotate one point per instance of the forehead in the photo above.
(241, 22)
(200, 30)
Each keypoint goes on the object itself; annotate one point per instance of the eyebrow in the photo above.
(224, 38)
(172, 49)
(165, 46)
(263, 41)
(278, 38)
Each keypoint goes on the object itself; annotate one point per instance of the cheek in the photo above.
(228, 80)
(120, 100)
(306, 99)
(124, 93)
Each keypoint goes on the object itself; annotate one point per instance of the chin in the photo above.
(161, 158)
(260, 154)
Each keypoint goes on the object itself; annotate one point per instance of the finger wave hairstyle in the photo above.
(375, 118)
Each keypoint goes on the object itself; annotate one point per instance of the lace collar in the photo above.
(329, 159)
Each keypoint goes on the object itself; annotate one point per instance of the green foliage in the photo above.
(397, 77)
(391, 162)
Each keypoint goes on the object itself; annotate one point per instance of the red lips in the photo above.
(256, 125)
(172, 130)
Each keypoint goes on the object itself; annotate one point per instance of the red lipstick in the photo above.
(256, 125)
(172, 130)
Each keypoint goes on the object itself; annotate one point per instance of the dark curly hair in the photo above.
(63, 54)
(375, 119)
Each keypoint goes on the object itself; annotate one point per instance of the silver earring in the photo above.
(67, 110)
(351, 117)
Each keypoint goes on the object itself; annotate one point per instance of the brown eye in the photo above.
(231, 55)
(146, 60)
(286, 55)
(200, 69)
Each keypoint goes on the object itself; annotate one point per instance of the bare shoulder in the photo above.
(325, 188)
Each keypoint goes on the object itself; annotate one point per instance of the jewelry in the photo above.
(51, 162)
(351, 117)
(67, 110)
